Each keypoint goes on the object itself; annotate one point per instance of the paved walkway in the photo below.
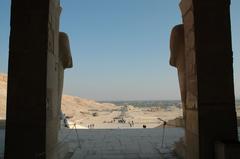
(122, 143)
(115, 143)
(2, 137)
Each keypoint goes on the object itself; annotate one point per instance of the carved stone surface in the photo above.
(65, 61)
(177, 59)
(210, 107)
(35, 79)
(58, 60)
(26, 97)
(52, 85)
(65, 57)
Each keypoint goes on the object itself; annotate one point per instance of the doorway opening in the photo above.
(71, 79)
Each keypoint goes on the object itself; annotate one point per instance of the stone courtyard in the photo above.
(114, 143)
(124, 143)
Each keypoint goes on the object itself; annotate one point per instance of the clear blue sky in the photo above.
(120, 48)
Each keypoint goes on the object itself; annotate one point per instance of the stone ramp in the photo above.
(123, 143)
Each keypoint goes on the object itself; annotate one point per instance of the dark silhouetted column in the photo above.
(32, 116)
(210, 104)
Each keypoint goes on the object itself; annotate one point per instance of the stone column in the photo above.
(53, 89)
(210, 104)
(31, 132)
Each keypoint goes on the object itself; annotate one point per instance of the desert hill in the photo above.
(72, 106)
(87, 112)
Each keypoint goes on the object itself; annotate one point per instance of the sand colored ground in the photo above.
(106, 115)
(86, 112)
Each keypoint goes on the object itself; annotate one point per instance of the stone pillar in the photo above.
(53, 89)
(210, 104)
(31, 132)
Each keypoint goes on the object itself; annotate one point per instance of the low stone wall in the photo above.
(177, 122)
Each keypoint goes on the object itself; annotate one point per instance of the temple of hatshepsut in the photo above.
(201, 51)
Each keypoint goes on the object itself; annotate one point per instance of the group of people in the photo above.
(64, 120)
(122, 121)
(91, 126)
(131, 124)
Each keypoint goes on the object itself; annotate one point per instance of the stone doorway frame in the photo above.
(210, 110)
